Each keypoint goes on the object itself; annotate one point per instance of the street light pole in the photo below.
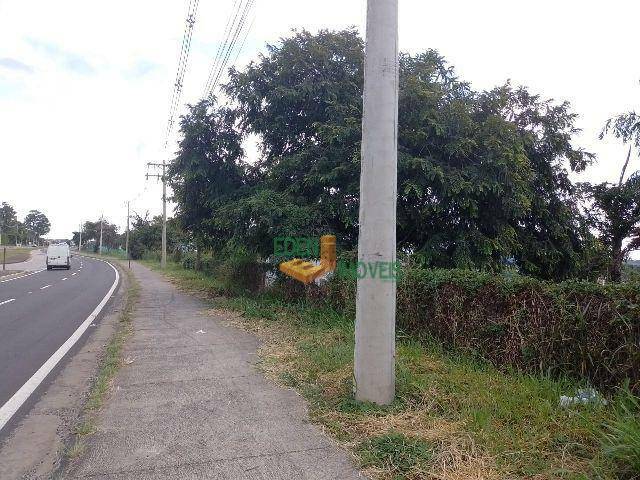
(374, 363)
(80, 239)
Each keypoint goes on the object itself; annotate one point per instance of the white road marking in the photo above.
(74, 274)
(8, 301)
(21, 276)
(46, 286)
(9, 409)
(65, 278)
(30, 293)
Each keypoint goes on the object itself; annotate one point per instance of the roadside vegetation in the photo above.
(108, 367)
(521, 293)
(14, 254)
(456, 416)
(28, 231)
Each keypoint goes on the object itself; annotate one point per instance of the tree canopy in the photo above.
(483, 176)
(37, 222)
(615, 208)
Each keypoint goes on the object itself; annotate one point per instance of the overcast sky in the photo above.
(85, 85)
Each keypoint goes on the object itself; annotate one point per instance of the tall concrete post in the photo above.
(100, 248)
(80, 239)
(126, 244)
(376, 297)
(163, 258)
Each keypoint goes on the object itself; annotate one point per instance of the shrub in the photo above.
(577, 329)
(236, 269)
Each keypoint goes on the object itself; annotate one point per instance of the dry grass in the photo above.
(457, 455)
(453, 418)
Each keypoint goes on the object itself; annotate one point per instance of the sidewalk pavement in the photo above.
(191, 405)
(37, 261)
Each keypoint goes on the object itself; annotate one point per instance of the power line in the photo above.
(248, 5)
(231, 23)
(221, 45)
(183, 62)
(244, 40)
(237, 26)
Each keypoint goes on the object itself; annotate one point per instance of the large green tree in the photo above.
(208, 170)
(482, 176)
(146, 235)
(37, 223)
(615, 208)
(8, 220)
(91, 234)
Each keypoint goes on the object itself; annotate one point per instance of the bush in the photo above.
(237, 270)
(576, 329)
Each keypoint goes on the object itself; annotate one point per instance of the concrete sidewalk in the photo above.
(192, 405)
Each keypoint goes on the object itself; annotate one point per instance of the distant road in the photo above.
(39, 312)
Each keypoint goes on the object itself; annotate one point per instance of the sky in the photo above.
(85, 85)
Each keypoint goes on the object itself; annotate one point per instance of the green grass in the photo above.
(107, 369)
(453, 417)
(112, 360)
(15, 254)
(621, 437)
(396, 453)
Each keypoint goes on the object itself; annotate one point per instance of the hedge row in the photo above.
(577, 329)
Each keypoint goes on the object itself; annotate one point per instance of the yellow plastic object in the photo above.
(328, 252)
(307, 272)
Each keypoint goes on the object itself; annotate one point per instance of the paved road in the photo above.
(40, 311)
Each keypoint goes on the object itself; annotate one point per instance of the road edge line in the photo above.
(9, 409)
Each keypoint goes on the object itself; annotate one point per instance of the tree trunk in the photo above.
(624, 169)
(198, 265)
(615, 270)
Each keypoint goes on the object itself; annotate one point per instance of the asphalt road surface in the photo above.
(40, 311)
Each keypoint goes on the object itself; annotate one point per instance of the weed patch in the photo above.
(454, 417)
(107, 369)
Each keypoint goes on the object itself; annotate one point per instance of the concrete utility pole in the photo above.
(100, 248)
(163, 177)
(376, 297)
(163, 261)
(126, 248)
(80, 239)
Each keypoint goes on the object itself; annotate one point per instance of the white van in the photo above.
(58, 255)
